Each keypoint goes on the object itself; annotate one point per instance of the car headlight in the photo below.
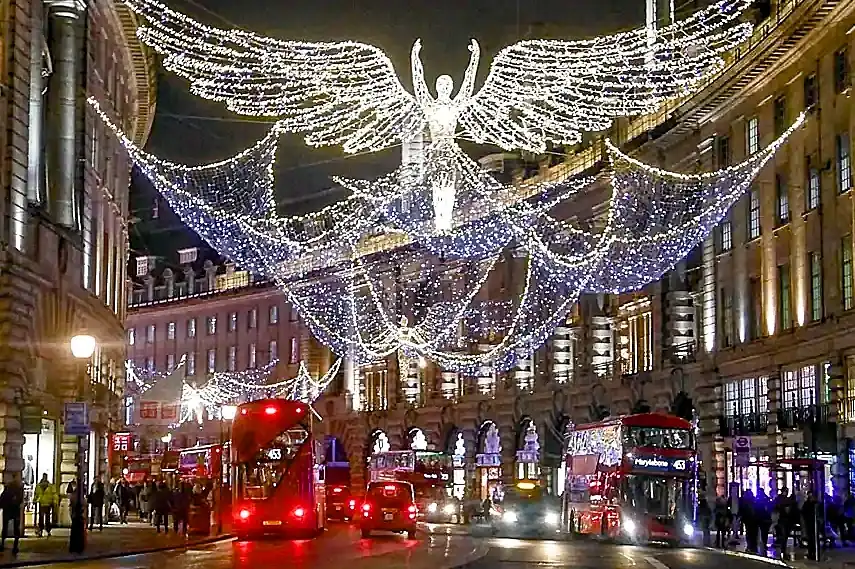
(629, 527)
(509, 517)
(448, 509)
(551, 519)
(688, 530)
(432, 508)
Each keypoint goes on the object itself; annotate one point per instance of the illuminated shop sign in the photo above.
(660, 463)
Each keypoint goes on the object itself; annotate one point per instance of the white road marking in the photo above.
(656, 563)
(629, 558)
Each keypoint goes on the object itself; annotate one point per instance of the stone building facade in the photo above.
(751, 335)
(63, 228)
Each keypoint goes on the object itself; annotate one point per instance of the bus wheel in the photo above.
(366, 534)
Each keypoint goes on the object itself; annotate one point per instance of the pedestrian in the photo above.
(162, 507)
(721, 515)
(46, 498)
(96, 505)
(748, 516)
(810, 530)
(146, 500)
(705, 519)
(848, 518)
(763, 513)
(181, 499)
(12, 502)
(125, 498)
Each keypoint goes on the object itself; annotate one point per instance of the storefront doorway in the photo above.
(39, 459)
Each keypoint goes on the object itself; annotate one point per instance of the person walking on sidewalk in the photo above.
(146, 501)
(721, 514)
(125, 498)
(705, 519)
(748, 515)
(763, 513)
(96, 505)
(181, 500)
(12, 503)
(46, 498)
(162, 507)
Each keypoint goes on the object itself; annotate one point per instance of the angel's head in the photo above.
(444, 87)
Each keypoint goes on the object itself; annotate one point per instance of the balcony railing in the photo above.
(799, 417)
(743, 425)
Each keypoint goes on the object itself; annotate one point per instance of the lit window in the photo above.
(273, 348)
(753, 215)
(212, 360)
(846, 271)
(191, 364)
(784, 297)
(295, 350)
(252, 355)
(726, 317)
(191, 328)
(813, 185)
(725, 236)
(232, 358)
(752, 136)
(170, 362)
(800, 387)
(170, 331)
(132, 336)
(232, 321)
(212, 325)
(253, 318)
(746, 396)
(783, 200)
(149, 334)
(816, 308)
(274, 314)
(844, 164)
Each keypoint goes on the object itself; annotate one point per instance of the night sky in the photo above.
(193, 131)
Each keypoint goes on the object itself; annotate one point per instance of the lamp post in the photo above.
(82, 348)
(227, 413)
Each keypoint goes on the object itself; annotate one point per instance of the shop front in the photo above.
(488, 463)
(39, 452)
(458, 465)
(528, 453)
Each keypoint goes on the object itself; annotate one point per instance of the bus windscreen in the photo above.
(658, 437)
(261, 477)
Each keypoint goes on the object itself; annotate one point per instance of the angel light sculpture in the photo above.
(536, 92)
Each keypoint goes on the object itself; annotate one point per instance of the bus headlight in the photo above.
(629, 527)
(551, 519)
(432, 508)
(449, 509)
(688, 530)
(509, 517)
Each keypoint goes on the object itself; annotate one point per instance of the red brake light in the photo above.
(352, 504)
(389, 487)
(412, 509)
(366, 507)
(243, 411)
(299, 512)
(337, 490)
(270, 410)
(244, 514)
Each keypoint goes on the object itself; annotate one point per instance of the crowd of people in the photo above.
(157, 503)
(783, 516)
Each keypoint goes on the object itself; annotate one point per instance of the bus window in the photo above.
(658, 437)
(261, 477)
(654, 495)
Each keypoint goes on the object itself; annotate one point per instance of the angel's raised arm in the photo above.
(468, 85)
(420, 88)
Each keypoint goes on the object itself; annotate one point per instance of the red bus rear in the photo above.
(278, 479)
(631, 478)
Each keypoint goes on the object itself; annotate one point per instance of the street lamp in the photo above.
(82, 348)
(227, 413)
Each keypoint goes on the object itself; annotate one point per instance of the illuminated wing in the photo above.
(342, 93)
(550, 90)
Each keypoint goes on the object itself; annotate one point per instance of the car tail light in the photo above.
(353, 504)
(270, 410)
(366, 508)
(243, 514)
(299, 512)
(412, 511)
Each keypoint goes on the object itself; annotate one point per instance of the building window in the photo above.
(170, 331)
(295, 350)
(636, 337)
(726, 317)
(375, 389)
(811, 90)
(251, 359)
(232, 321)
(149, 363)
(725, 236)
(783, 199)
(785, 310)
(170, 362)
(191, 328)
(232, 358)
(273, 348)
(841, 70)
(816, 309)
(722, 151)
(132, 336)
(274, 314)
(212, 360)
(844, 163)
(813, 184)
(746, 396)
(800, 387)
(212, 325)
(252, 321)
(846, 271)
(149, 334)
(753, 214)
(191, 364)
(755, 309)
(752, 136)
(780, 114)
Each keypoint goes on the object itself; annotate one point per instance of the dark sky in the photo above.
(192, 131)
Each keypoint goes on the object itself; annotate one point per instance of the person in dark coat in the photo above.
(12, 502)
(763, 512)
(723, 521)
(705, 519)
(181, 499)
(96, 505)
(125, 499)
(162, 507)
(748, 515)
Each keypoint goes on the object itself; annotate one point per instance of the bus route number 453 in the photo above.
(274, 454)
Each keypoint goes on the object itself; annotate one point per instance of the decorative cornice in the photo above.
(144, 74)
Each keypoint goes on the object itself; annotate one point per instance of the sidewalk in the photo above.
(834, 558)
(114, 541)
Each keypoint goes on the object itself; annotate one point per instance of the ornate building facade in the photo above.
(751, 335)
(63, 227)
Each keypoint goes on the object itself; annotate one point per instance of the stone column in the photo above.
(62, 109)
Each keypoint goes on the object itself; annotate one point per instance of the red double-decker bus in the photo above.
(631, 478)
(203, 464)
(278, 478)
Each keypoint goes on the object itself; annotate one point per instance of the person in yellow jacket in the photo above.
(47, 499)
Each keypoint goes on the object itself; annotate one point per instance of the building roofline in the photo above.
(144, 74)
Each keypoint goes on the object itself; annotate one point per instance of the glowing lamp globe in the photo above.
(228, 412)
(82, 346)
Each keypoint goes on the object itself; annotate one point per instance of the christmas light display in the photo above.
(537, 91)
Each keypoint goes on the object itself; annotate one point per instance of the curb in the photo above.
(113, 555)
(753, 557)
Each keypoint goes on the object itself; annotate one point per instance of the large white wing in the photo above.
(551, 90)
(340, 93)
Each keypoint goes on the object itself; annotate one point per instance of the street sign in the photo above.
(76, 419)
